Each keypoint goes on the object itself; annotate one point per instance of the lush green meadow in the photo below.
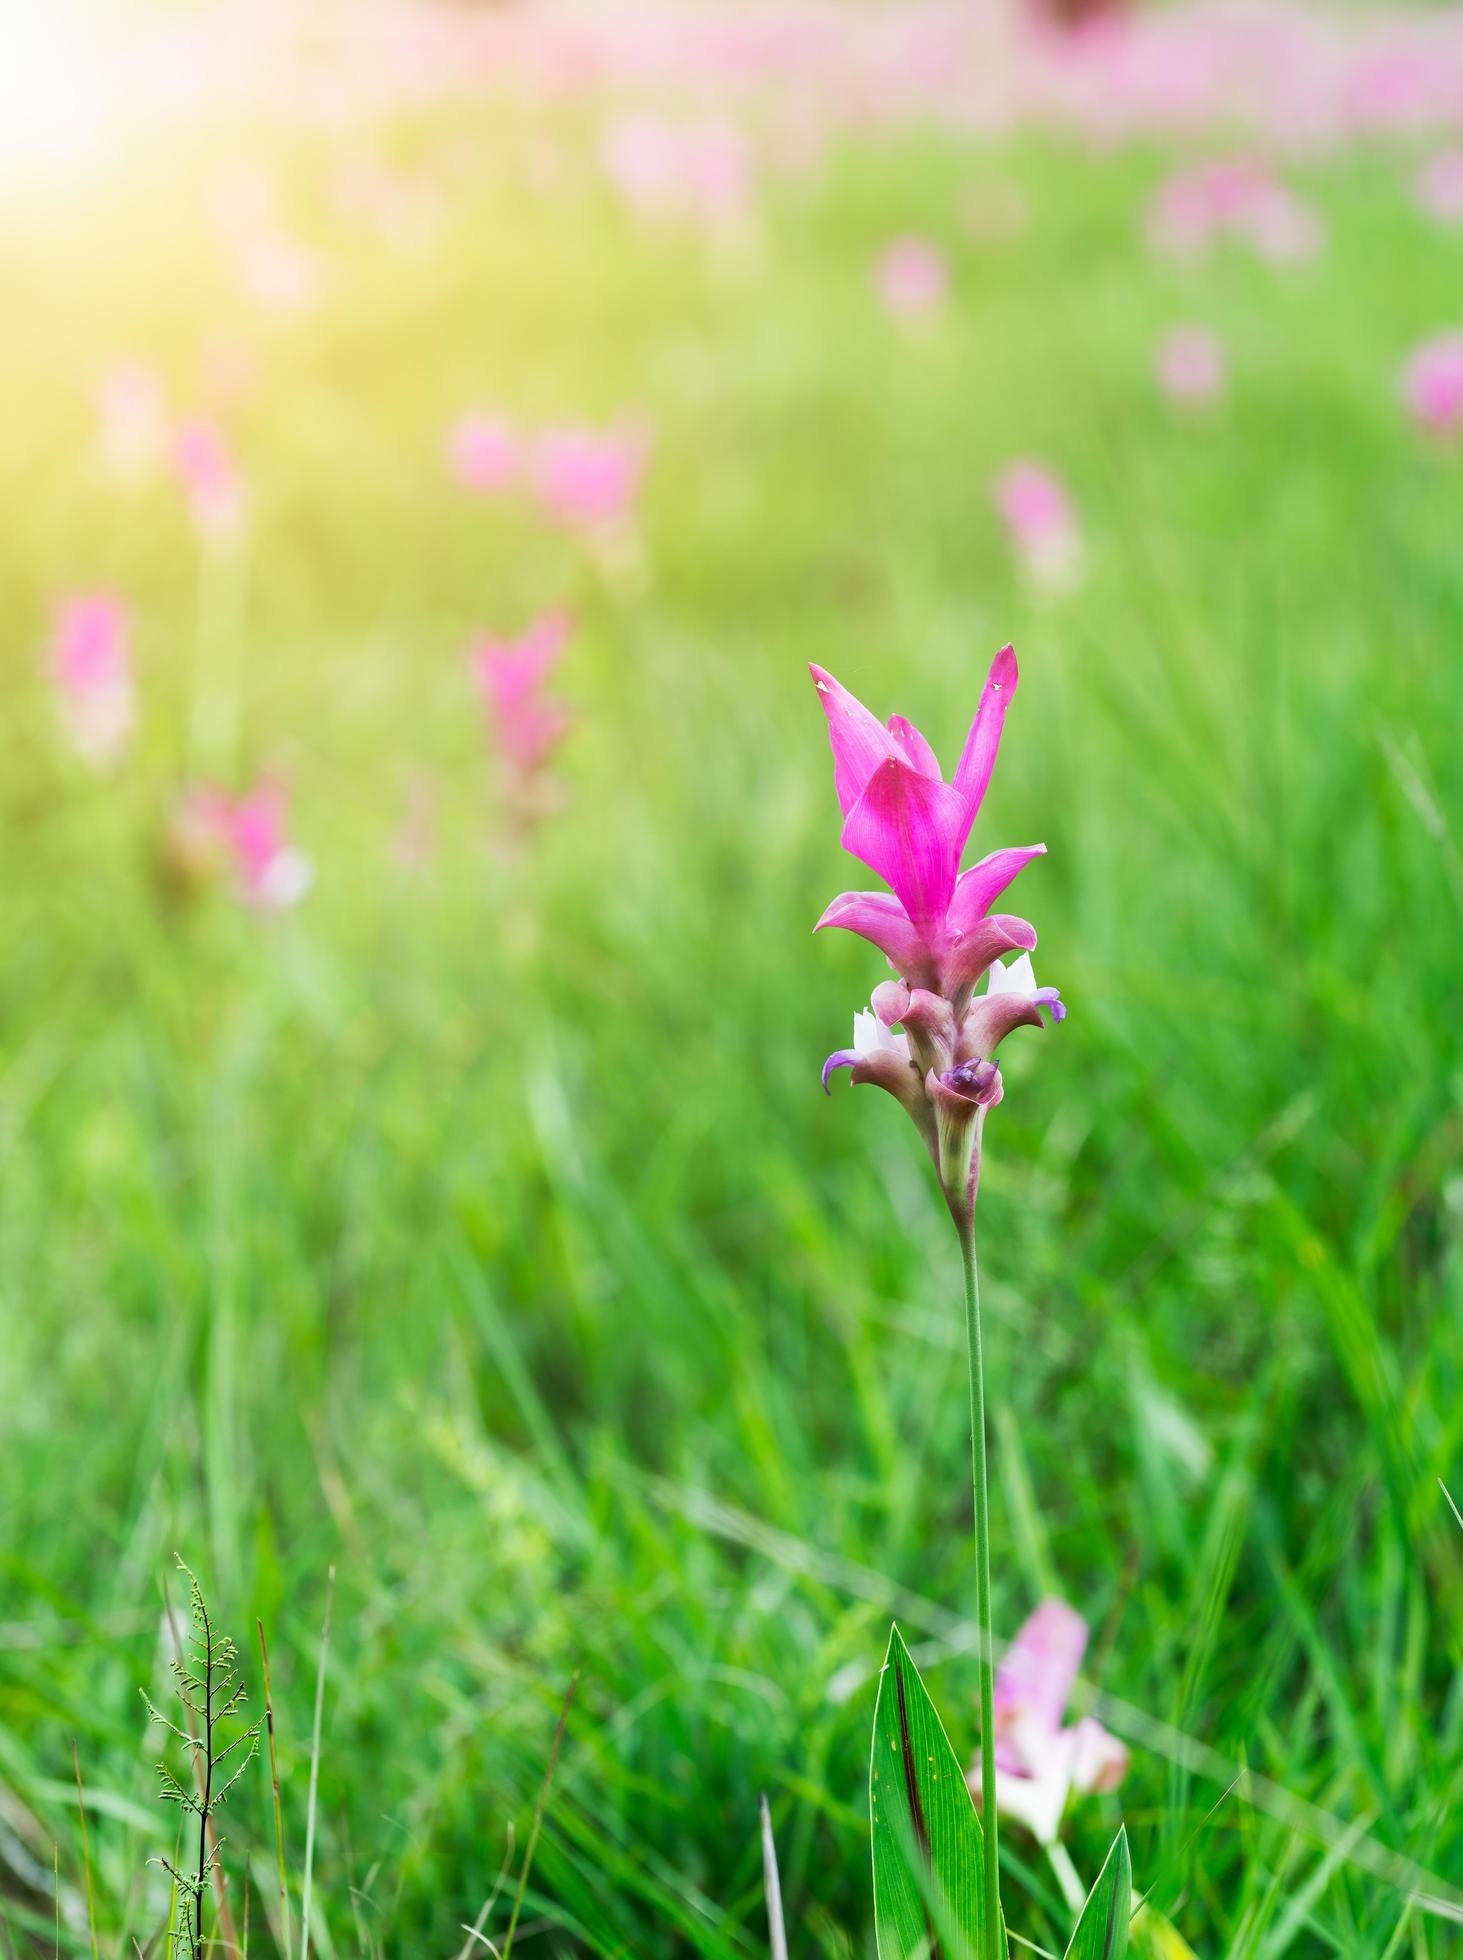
(477, 1227)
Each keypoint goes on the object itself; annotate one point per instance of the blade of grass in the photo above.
(284, 1897)
(538, 1814)
(315, 1769)
(772, 1883)
(91, 1924)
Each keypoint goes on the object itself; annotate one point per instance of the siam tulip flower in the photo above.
(1041, 524)
(483, 454)
(936, 927)
(587, 479)
(92, 674)
(1039, 1763)
(525, 723)
(913, 279)
(1432, 385)
(666, 170)
(1190, 366)
(132, 420)
(210, 478)
(249, 833)
(1440, 187)
(1240, 198)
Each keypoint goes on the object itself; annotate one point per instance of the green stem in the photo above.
(966, 1228)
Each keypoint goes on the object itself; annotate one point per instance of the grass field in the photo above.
(476, 1227)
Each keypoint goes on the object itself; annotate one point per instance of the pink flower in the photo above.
(913, 279)
(587, 479)
(669, 170)
(936, 928)
(1191, 365)
(1241, 198)
(1039, 1764)
(91, 671)
(250, 832)
(526, 724)
(210, 478)
(1440, 187)
(483, 454)
(132, 418)
(1432, 385)
(1038, 516)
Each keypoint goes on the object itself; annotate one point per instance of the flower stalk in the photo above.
(975, 1363)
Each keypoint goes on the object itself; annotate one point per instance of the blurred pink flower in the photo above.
(91, 672)
(210, 478)
(588, 479)
(1039, 1764)
(912, 279)
(483, 453)
(1190, 365)
(665, 169)
(132, 419)
(1040, 522)
(1440, 187)
(526, 724)
(249, 831)
(1235, 197)
(1432, 385)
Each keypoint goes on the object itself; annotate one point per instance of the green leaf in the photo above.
(1102, 1931)
(929, 1850)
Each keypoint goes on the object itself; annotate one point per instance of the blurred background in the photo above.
(436, 437)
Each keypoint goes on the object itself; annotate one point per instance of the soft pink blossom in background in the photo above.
(1190, 365)
(132, 420)
(512, 676)
(91, 670)
(1040, 1763)
(484, 453)
(912, 279)
(248, 832)
(588, 480)
(210, 479)
(1237, 197)
(1040, 522)
(1440, 187)
(1432, 385)
(669, 169)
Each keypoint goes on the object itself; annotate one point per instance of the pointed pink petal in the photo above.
(860, 740)
(977, 889)
(989, 940)
(914, 748)
(907, 828)
(978, 757)
(881, 919)
(1035, 1679)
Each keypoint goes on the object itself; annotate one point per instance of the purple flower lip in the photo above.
(977, 1081)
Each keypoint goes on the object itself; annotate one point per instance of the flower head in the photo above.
(935, 926)
(483, 454)
(1039, 1763)
(91, 672)
(1039, 519)
(210, 477)
(1190, 366)
(248, 832)
(525, 722)
(913, 279)
(587, 480)
(1432, 385)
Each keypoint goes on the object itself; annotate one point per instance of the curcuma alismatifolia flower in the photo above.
(1040, 1763)
(928, 1037)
